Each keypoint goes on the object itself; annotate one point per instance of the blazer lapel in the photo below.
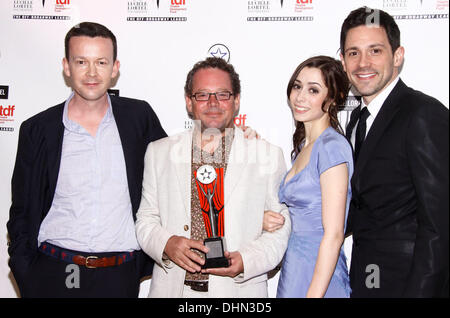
(127, 140)
(382, 121)
(54, 133)
(180, 155)
(237, 161)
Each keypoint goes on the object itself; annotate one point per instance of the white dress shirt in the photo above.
(91, 210)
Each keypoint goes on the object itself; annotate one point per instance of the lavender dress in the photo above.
(302, 195)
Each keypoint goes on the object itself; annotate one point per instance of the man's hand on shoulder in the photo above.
(249, 133)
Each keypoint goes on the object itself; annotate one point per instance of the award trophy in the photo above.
(206, 175)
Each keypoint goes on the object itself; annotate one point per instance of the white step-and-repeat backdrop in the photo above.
(160, 40)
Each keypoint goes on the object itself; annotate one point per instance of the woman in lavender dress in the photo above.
(317, 188)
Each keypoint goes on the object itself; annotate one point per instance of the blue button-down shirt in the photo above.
(91, 210)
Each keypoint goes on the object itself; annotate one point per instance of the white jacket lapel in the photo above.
(236, 163)
(180, 155)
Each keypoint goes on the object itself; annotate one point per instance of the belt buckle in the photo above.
(87, 259)
(199, 286)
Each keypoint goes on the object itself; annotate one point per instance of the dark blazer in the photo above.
(37, 167)
(399, 211)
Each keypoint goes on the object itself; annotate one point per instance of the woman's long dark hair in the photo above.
(338, 86)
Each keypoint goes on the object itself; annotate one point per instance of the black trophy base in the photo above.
(216, 262)
(215, 257)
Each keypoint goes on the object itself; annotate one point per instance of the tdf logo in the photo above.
(7, 111)
(57, 2)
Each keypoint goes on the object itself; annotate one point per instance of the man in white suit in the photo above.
(172, 220)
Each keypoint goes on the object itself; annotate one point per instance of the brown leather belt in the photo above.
(200, 286)
(94, 261)
(90, 261)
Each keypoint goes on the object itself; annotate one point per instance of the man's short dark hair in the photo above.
(371, 17)
(90, 29)
(213, 62)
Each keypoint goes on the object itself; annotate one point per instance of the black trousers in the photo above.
(392, 261)
(50, 277)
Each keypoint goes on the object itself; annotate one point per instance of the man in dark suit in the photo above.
(77, 182)
(399, 209)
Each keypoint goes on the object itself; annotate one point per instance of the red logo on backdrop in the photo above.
(61, 5)
(6, 117)
(442, 4)
(302, 5)
(7, 111)
(240, 120)
(177, 6)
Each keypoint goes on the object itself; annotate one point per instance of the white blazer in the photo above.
(253, 175)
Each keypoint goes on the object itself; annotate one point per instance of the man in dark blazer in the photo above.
(400, 207)
(77, 182)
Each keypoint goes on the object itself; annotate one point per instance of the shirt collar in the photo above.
(375, 105)
(75, 127)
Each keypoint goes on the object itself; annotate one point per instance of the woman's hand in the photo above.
(272, 221)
